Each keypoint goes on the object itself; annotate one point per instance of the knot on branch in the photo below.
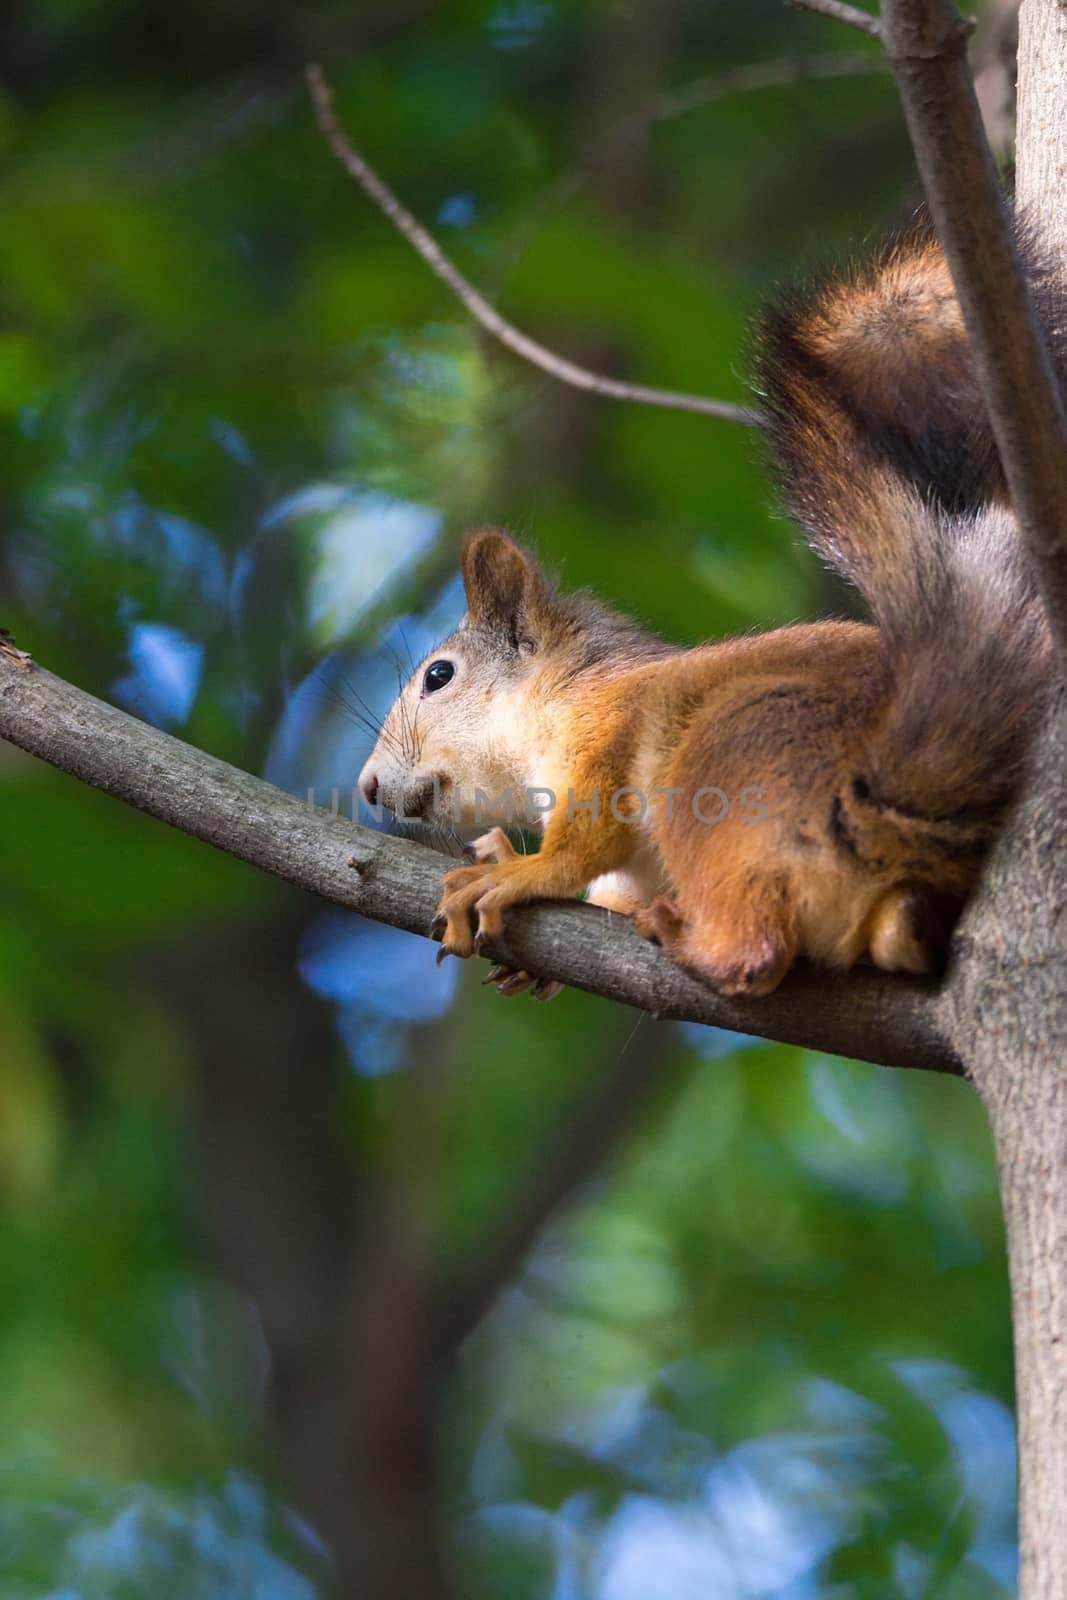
(10, 651)
(948, 39)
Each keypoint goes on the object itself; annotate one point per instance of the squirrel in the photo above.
(864, 766)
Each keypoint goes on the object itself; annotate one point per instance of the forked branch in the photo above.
(838, 11)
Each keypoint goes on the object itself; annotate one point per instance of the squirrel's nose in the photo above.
(369, 784)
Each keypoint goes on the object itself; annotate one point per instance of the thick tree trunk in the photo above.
(1008, 995)
(1009, 1001)
(1041, 137)
(1029, 1119)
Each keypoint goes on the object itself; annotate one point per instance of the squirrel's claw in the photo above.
(439, 932)
(517, 983)
(509, 981)
(480, 893)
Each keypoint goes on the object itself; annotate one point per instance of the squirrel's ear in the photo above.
(506, 590)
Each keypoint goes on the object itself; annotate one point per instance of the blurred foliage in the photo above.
(243, 428)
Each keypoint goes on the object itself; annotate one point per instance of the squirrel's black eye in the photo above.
(438, 673)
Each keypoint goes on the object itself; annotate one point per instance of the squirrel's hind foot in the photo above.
(508, 981)
(746, 948)
(660, 922)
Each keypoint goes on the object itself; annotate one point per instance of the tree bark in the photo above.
(1041, 129)
(1009, 999)
(1008, 993)
(1020, 1057)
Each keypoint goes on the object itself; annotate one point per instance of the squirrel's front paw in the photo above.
(468, 891)
(482, 893)
(451, 925)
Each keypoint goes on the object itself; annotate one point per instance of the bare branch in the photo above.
(779, 74)
(838, 11)
(479, 307)
(888, 1020)
(925, 42)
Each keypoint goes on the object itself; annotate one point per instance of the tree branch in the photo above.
(778, 74)
(925, 42)
(840, 12)
(479, 307)
(886, 1020)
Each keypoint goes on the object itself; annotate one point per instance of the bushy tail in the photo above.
(884, 453)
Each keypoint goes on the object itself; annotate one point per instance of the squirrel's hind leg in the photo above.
(743, 941)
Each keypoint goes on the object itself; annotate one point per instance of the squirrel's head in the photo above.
(452, 729)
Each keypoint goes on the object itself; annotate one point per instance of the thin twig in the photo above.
(779, 74)
(838, 11)
(479, 307)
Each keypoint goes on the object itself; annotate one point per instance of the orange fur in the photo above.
(864, 768)
(784, 713)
